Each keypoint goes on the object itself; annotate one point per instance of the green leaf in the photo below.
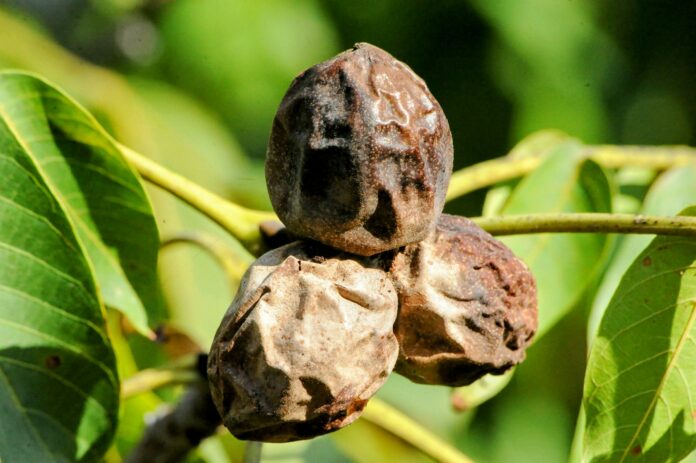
(672, 191)
(376, 444)
(96, 188)
(522, 427)
(220, 52)
(433, 410)
(193, 142)
(322, 448)
(563, 264)
(633, 183)
(538, 144)
(133, 410)
(58, 382)
(640, 385)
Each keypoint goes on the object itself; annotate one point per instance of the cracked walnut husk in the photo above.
(306, 342)
(467, 305)
(360, 154)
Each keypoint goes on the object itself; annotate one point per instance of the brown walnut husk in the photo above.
(360, 154)
(306, 342)
(467, 305)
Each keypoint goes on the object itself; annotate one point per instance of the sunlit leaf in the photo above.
(97, 189)
(563, 264)
(58, 381)
(673, 191)
(640, 385)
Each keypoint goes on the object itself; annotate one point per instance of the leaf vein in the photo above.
(670, 365)
(20, 407)
(81, 320)
(51, 268)
(69, 384)
(70, 347)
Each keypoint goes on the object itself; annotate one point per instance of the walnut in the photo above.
(360, 154)
(467, 305)
(306, 342)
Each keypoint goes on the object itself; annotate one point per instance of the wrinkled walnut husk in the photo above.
(306, 342)
(360, 154)
(467, 305)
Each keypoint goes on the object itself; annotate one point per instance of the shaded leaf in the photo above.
(321, 448)
(240, 75)
(433, 409)
(563, 264)
(640, 386)
(523, 428)
(376, 444)
(538, 144)
(133, 410)
(58, 382)
(632, 184)
(98, 190)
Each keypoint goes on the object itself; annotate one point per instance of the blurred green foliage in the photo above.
(194, 84)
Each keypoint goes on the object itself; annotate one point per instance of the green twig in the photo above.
(240, 222)
(155, 378)
(465, 398)
(233, 261)
(182, 370)
(651, 157)
(243, 223)
(490, 172)
(587, 223)
(400, 425)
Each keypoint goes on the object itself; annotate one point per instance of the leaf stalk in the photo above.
(587, 223)
(506, 168)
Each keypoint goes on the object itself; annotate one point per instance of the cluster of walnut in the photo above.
(358, 165)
